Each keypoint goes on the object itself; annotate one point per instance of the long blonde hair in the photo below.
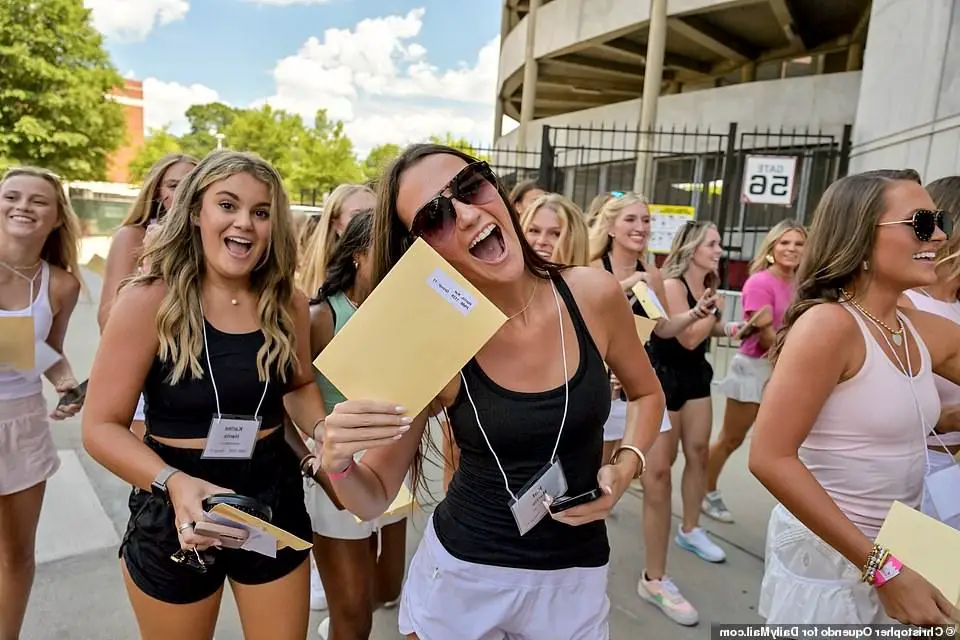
(62, 246)
(610, 210)
(760, 261)
(573, 245)
(841, 239)
(945, 193)
(176, 258)
(317, 254)
(144, 208)
(690, 236)
(595, 205)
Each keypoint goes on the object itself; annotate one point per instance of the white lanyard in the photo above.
(29, 280)
(216, 395)
(566, 402)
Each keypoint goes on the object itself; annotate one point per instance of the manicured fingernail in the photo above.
(406, 420)
(398, 436)
(403, 429)
(400, 409)
(607, 490)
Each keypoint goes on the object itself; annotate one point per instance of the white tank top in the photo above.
(23, 384)
(949, 392)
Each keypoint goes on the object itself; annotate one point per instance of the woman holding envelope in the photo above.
(942, 299)
(361, 563)
(126, 246)
(39, 288)
(218, 339)
(501, 555)
(841, 432)
(765, 297)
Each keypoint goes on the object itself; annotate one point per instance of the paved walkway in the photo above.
(79, 594)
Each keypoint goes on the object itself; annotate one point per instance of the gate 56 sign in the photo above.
(769, 180)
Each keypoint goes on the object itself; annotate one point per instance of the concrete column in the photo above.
(529, 98)
(748, 72)
(497, 119)
(652, 79)
(854, 56)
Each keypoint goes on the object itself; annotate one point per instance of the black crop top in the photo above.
(670, 353)
(184, 410)
(474, 522)
(638, 309)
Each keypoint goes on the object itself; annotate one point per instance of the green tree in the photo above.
(54, 77)
(379, 157)
(324, 158)
(204, 118)
(462, 144)
(273, 134)
(159, 143)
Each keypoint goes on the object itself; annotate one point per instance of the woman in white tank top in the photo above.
(39, 287)
(942, 299)
(841, 430)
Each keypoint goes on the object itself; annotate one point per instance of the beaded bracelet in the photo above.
(875, 560)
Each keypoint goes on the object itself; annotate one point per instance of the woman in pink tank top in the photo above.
(943, 299)
(840, 432)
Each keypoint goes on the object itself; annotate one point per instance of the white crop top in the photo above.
(23, 384)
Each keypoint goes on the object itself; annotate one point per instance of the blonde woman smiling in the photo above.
(212, 331)
(344, 202)
(555, 228)
(39, 279)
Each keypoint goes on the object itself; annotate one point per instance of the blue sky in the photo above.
(392, 70)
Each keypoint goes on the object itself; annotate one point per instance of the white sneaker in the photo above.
(324, 629)
(698, 542)
(318, 598)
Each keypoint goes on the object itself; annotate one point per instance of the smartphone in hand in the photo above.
(75, 395)
(563, 503)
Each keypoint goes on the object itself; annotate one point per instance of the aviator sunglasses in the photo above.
(474, 185)
(925, 222)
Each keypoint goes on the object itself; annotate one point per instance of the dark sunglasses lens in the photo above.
(435, 221)
(475, 186)
(945, 222)
(924, 224)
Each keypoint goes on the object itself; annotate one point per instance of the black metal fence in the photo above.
(687, 167)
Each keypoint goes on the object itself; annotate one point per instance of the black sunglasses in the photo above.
(925, 222)
(474, 185)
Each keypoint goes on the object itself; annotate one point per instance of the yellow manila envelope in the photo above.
(642, 291)
(17, 348)
(925, 545)
(283, 538)
(645, 328)
(402, 504)
(412, 335)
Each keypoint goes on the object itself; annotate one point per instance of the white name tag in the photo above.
(528, 509)
(944, 488)
(232, 437)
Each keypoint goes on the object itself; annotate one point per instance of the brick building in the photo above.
(131, 97)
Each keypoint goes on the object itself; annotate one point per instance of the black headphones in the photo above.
(246, 504)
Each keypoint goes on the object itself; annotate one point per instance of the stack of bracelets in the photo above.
(880, 567)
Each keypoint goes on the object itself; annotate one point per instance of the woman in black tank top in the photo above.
(215, 335)
(519, 400)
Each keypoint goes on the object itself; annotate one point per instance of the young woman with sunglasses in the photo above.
(519, 411)
(841, 432)
(943, 299)
(218, 339)
(39, 287)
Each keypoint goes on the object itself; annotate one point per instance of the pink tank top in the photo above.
(867, 447)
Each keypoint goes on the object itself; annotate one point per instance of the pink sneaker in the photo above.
(664, 595)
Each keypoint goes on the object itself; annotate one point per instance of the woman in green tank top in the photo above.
(356, 577)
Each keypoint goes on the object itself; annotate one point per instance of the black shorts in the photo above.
(271, 476)
(689, 381)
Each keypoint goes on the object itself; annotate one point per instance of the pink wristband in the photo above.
(340, 475)
(890, 569)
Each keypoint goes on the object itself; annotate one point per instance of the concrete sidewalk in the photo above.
(79, 594)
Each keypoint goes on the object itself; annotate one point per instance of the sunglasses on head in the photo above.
(925, 222)
(474, 185)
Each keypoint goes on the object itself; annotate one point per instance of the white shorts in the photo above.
(746, 378)
(139, 415)
(806, 581)
(616, 424)
(330, 522)
(938, 461)
(445, 598)
(28, 455)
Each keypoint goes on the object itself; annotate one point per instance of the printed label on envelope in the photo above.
(446, 287)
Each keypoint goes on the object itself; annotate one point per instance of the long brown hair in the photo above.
(391, 239)
(176, 257)
(841, 240)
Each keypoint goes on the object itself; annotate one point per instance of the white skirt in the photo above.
(27, 453)
(330, 522)
(806, 581)
(746, 378)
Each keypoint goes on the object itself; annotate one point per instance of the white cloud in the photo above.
(132, 20)
(381, 83)
(166, 103)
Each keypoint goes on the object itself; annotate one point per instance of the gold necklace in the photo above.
(895, 334)
(526, 306)
(27, 268)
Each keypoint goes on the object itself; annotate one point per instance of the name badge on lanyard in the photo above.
(230, 437)
(527, 505)
(944, 489)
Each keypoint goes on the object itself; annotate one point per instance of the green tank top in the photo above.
(343, 310)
